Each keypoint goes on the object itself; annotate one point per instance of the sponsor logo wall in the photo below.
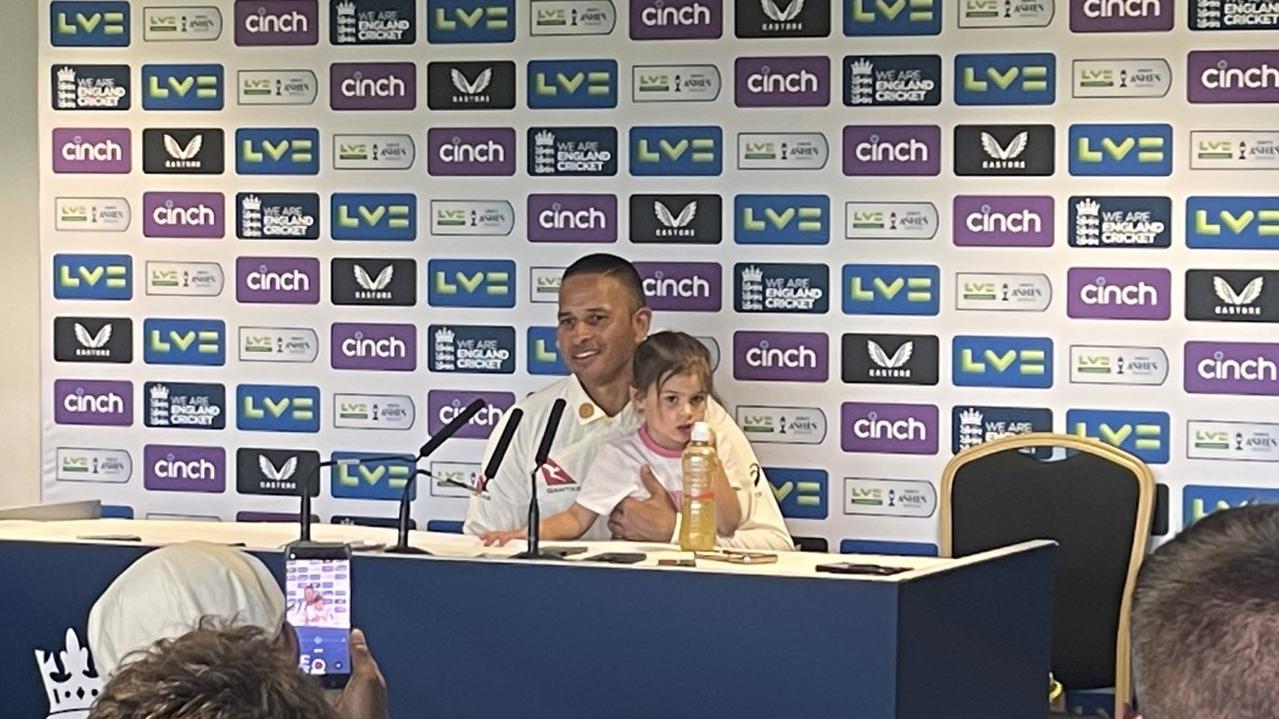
(259, 256)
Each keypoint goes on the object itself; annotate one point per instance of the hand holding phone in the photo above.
(318, 606)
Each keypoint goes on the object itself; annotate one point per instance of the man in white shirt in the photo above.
(602, 317)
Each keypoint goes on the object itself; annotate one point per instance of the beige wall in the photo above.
(19, 260)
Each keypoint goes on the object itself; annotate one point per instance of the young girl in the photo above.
(670, 391)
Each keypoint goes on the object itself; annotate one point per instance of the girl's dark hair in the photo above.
(665, 354)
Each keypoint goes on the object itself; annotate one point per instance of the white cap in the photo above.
(701, 432)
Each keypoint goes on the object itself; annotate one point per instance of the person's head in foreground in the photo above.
(1205, 620)
(169, 591)
(212, 673)
(602, 316)
(671, 387)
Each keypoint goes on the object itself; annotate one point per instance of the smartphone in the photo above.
(851, 568)
(738, 557)
(677, 562)
(616, 557)
(317, 578)
(562, 552)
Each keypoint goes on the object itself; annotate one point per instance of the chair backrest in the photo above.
(1096, 504)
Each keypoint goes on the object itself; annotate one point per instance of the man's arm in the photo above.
(762, 525)
(504, 503)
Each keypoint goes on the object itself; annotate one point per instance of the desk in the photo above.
(461, 636)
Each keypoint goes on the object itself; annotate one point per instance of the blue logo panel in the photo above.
(470, 283)
(277, 151)
(891, 289)
(89, 24)
(898, 17)
(1006, 79)
(904, 549)
(572, 84)
(182, 87)
(1232, 223)
(381, 217)
(1144, 435)
(1121, 150)
(370, 480)
(277, 408)
(1025, 362)
(677, 151)
(543, 355)
(781, 219)
(184, 342)
(1199, 501)
(801, 493)
(92, 277)
(470, 21)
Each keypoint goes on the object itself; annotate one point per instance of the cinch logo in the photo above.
(781, 288)
(781, 219)
(470, 283)
(1005, 150)
(1232, 76)
(1097, 221)
(89, 24)
(892, 80)
(373, 22)
(572, 84)
(373, 86)
(184, 405)
(677, 151)
(277, 408)
(277, 215)
(888, 428)
(276, 471)
(892, 150)
(1232, 441)
(470, 21)
(781, 356)
(444, 405)
(183, 151)
(182, 87)
(277, 280)
(1121, 15)
(899, 17)
(1002, 291)
(370, 480)
(373, 411)
(1248, 368)
(1096, 364)
(183, 214)
(578, 17)
(92, 464)
(470, 151)
(1118, 293)
(891, 289)
(800, 493)
(782, 18)
(681, 286)
(1232, 223)
(890, 220)
(572, 218)
(676, 19)
(93, 339)
(1006, 79)
(93, 402)
(278, 344)
(107, 151)
(277, 22)
(1232, 295)
(676, 219)
(90, 87)
(184, 24)
(1025, 362)
(373, 281)
(782, 81)
(988, 14)
(373, 346)
(543, 354)
(376, 217)
(478, 349)
(889, 359)
(188, 279)
(277, 151)
(1126, 150)
(92, 277)
(1199, 501)
(1011, 221)
(1210, 15)
(973, 426)
(184, 342)
(1142, 434)
(470, 85)
(172, 468)
(782, 425)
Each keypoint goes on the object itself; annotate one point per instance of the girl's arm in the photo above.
(728, 511)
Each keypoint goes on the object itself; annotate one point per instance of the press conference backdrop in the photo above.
(281, 231)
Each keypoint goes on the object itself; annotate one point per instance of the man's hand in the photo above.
(649, 520)
(365, 694)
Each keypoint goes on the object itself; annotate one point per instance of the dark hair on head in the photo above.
(1205, 619)
(210, 673)
(663, 355)
(607, 265)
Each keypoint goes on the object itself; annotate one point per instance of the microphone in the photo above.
(539, 460)
(513, 419)
(454, 426)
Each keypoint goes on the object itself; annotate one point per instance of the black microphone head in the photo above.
(513, 419)
(454, 425)
(552, 426)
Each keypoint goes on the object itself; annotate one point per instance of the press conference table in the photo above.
(460, 635)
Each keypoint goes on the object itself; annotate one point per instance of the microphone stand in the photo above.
(534, 550)
(402, 545)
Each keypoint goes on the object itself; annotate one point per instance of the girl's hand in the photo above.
(499, 539)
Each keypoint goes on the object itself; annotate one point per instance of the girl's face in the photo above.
(670, 409)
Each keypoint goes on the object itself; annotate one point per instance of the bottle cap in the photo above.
(701, 432)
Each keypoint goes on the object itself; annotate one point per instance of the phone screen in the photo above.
(318, 596)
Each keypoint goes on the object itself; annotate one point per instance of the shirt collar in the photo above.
(581, 406)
